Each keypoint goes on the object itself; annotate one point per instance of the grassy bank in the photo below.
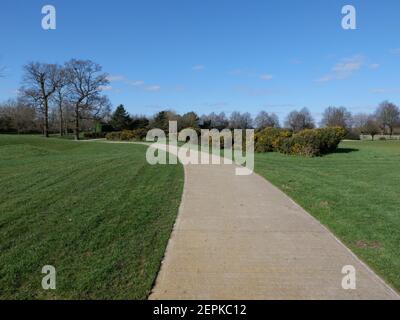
(97, 212)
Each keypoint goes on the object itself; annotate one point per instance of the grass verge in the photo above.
(355, 192)
(97, 212)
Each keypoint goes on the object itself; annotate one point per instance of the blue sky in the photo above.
(209, 55)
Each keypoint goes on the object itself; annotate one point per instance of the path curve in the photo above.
(239, 237)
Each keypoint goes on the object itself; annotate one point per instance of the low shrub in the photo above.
(94, 135)
(270, 139)
(113, 136)
(330, 138)
(127, 135)
(227, 137)
(313, 142)
(140, 133)
(305, 143)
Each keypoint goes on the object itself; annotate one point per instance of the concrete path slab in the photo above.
(239, 237)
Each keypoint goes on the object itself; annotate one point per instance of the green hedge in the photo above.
(309, 142)
(94, 135)
(127, 135)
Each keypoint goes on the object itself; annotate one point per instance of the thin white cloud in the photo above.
(136, 83)
(374, 66)
(154, 88)
(250, 74)
(115, 78)
(266, 77)
(198, 67)
(344, 69)
(386, 90)
(324, 78)
(348, 66)
(139, 84)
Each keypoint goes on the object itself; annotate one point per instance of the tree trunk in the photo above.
(61, 121)
(46, 110)
(66, 126)
(46, 118)
(76, 123)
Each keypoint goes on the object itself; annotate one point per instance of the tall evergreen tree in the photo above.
(160, 121)
(120, 119)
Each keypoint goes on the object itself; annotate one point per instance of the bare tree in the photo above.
(60, 99)
(215, 121)
(41, 81)
(104, 109)
(239, 120)
(16, 116)
(189, 120)
(300, 120)
(99, 108)
(6, 124)
(371, 127)
(360, 120)
(365, 124)
(388, 115)
(265, 120)
(68, 116)
(336, 117)
(85, 81)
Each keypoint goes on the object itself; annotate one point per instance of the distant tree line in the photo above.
(65, 113)
(69, 98)
(385, 120)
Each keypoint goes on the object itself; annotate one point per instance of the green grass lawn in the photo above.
(354, 192)
(97, 212)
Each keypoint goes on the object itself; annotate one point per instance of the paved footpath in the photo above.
(239, 237)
